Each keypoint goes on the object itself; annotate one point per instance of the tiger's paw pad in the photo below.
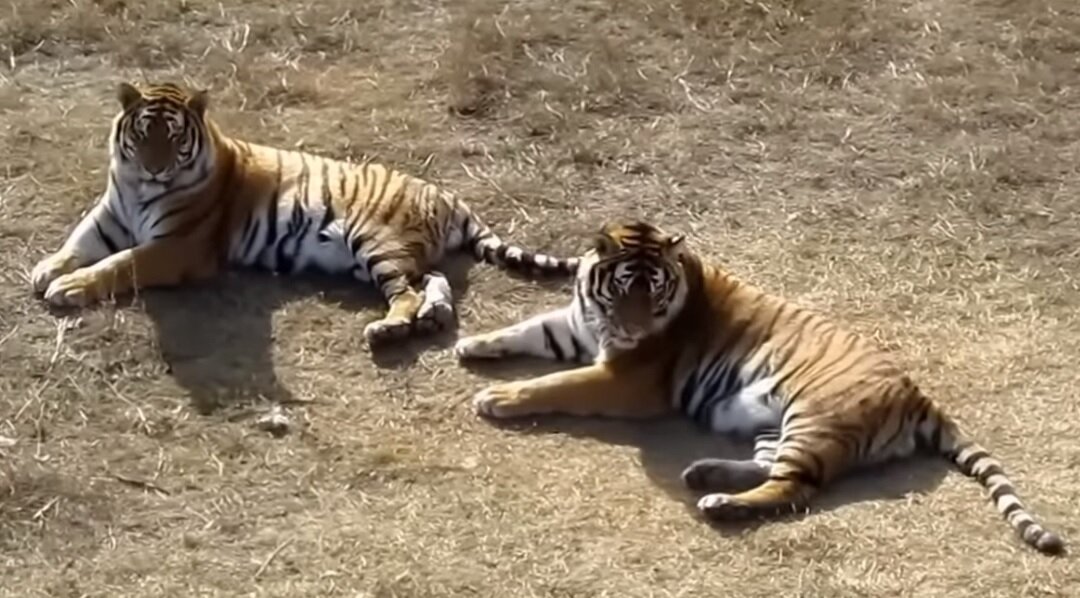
(387, 330)
(474, 347)
(494, 401)
(723, 474)
(48, 270)
(700, 475)
(71, 290)
(722, 507)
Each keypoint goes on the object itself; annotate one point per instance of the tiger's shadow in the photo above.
(217, 338)
(667, 446)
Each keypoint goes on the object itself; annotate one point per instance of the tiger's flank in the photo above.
(184, 200)
(656, 330)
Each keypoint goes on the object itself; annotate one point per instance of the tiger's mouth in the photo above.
(634, 312)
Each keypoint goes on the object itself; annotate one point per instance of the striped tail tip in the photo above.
(974, 461)
(515, 258)
(1044, 541)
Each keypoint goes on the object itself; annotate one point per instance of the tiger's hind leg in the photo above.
(802, 464)
(436, 312)
(394, 277)
(731, 475)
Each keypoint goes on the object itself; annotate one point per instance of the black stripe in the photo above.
(969, 463)
(284, 259)
(327, 220)
(1009, 510)
(935, 436)
(271, 222)
(797, 473)
(900, 429)
(109, 244)
(116, 221)
(357, 184)
(686, 393)
(1024, 525)
(1005, 489)
(251, 231)
(385, 280)
(303, 180)
(379, 194)
(815, 460)
(374, 260)
(397, 198)
(144, 206)
(579, 350)
(356, 243)
(173, 211)
(992, 470)
(552, 345)
(190, 224)
(713, 388)
(325, 182)
(364, 184)
(116, 187)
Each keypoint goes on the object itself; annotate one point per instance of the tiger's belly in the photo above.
(746, 410)
(329, 252)
(296, 242)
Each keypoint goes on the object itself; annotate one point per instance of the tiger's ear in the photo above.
(676, 246)
(198, 102)
(128, 95)
(604, 245)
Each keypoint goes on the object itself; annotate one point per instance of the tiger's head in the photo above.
(633, 275)
(161, 130)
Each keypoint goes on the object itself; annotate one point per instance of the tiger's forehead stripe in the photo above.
(637, 236)
(165, 91)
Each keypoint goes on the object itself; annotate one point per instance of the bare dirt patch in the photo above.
(909, 166)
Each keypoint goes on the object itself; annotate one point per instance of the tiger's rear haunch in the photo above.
(658, 330)
(183, 200)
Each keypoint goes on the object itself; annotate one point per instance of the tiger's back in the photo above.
(307, 211)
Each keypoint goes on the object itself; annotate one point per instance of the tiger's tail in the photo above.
(487, 247)
(939, 433)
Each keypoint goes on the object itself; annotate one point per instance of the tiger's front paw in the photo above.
(77, 289)
(387, 330)
(476, 347)
(498, 401)
(51, 268)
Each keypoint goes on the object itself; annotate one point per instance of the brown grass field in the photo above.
(910, 166)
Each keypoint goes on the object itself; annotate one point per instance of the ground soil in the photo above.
(909, 166)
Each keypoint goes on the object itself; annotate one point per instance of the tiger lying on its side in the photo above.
(660, 330)
(183, 199)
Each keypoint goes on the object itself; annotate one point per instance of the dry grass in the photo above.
(910, 166)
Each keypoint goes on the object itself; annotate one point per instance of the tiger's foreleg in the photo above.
(592, 390)
(98, 235)
(156, 264)
(547, 335)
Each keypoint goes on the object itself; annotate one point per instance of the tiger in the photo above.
(184, 200)
(654, 330)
